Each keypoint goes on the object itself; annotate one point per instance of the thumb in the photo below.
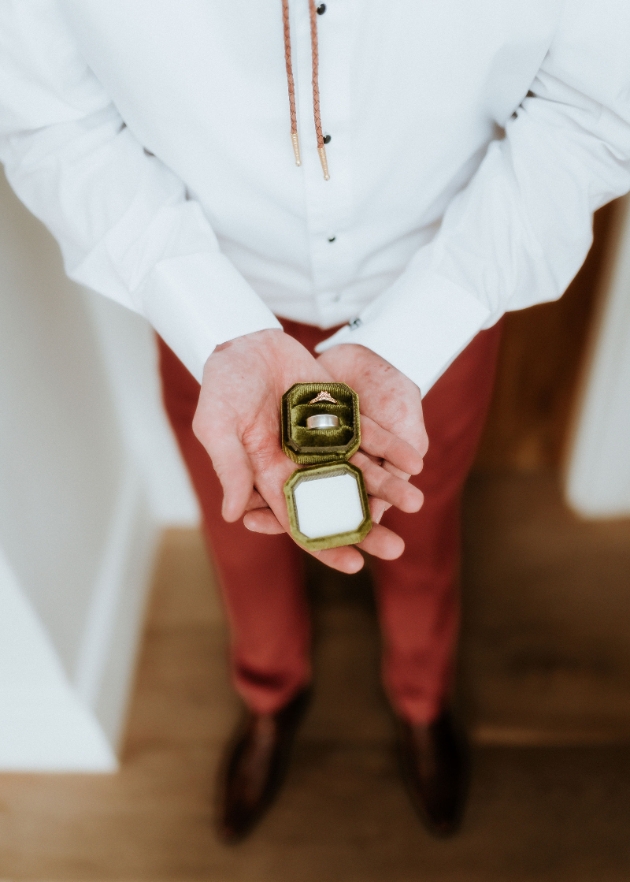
(234, 470)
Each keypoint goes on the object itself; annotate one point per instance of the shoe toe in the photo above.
(255, 768)
(433, 767)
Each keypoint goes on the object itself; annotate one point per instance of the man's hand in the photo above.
(388, 399)
(238, 422)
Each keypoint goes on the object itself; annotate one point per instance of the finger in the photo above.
(255, 501)
(378, 507)
(263, 520)
(381, 443)
(390, 488)
(346, 559)
(234, 470)
(375, 459)
(383, 543)
(272, 474)
(394, 471)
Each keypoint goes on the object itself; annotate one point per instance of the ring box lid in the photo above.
(328, 506)
(313, 446)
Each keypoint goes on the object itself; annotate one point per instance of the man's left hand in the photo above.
(388, 400)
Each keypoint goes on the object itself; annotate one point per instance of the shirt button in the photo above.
(321, 9)
(332, 238)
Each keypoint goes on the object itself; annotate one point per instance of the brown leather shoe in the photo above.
(435, 772)
(255, 766)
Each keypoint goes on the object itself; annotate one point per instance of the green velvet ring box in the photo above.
(327, 501)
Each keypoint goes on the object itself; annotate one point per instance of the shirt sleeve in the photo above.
(122, 219)
(519, 232)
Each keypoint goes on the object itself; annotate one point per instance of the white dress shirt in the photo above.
(471, 141)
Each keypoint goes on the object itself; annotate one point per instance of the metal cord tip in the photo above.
(296, 148)
(324, 162)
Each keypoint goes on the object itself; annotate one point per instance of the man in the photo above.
(251, 176)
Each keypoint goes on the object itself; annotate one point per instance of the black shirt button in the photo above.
(321, 9)
(327, 139)
(332, 238)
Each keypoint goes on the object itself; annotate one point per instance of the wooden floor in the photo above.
(545, 685)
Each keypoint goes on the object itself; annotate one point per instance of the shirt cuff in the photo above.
(419, 327)
(198, 301)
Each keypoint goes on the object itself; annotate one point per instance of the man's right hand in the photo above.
(238, 422)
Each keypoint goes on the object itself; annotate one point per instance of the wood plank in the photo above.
(536, 813)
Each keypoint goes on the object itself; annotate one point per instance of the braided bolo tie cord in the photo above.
(321, 149)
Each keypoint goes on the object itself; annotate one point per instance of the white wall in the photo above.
(45, 725)
(597, 482)
(127, 345)
(88, 476)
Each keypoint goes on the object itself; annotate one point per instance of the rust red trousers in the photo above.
(417, 595)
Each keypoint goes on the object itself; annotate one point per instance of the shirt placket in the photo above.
(327, 203)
